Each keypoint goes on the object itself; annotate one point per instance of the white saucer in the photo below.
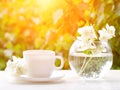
(47, 79)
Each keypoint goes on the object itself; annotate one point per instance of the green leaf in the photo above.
(87, 52)
(2, 64)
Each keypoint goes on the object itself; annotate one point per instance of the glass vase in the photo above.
(90, 66)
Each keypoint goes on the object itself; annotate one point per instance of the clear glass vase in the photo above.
(93, 65)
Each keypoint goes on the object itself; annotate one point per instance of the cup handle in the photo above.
(62, 62)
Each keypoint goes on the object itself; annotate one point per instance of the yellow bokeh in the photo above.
(42, 24)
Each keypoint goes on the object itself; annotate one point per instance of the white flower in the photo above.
(111, 30)
(89, 40)
(84, 45)
(87, 32)
(107, 33)
(87, 37)
(16, 67)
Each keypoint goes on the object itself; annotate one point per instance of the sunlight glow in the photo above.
(45, 4)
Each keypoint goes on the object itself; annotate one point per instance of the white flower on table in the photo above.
(16, 67)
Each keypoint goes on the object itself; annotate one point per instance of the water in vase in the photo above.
(90, 66)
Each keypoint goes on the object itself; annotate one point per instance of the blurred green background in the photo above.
(53, 24)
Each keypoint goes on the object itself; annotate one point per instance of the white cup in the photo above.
(41, 63)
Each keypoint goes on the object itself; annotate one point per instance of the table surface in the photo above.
(70, 81)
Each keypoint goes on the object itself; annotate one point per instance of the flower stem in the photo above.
(84, 65)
